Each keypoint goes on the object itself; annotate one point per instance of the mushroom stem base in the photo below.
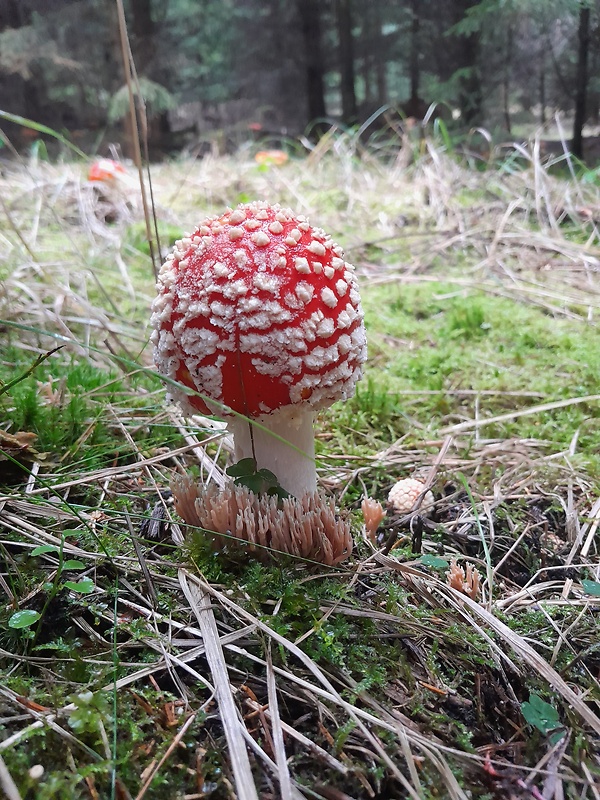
(291, 460)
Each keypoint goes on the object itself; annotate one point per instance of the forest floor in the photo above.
(391, 675)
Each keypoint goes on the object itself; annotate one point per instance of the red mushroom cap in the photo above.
(105, 169)
(258, 310)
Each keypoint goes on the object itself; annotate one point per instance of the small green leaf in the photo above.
(555, 737)
(591, 587)
(540, 714)
(278, 491)
(84, 586)
(44, 548)
(73, 563)
(23, 619)
(82, 699)
(247, 466)
(252, 482)
(267, 475)
(90, 709)
(436, 562)
(261, 481)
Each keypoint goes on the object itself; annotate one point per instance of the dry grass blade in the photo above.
(285, 784)
(22, 734)
(214, 472)
(592, 782)
(388, 722)
(316, 751)
(162, 664)
(9, 787)
(553, 784)
(199, 601)
(586, 532)
(111, 472)
(429, 583)
(136, 103)
(525, 412)
(142, 561)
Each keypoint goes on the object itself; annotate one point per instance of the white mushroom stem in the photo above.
(284, 444)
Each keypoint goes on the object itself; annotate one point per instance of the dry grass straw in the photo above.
(240, 764)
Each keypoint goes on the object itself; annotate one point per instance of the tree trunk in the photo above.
(380, 56)
(542, 88)
(582, 80)
(374, 58)
(466, 60)
(367, 59)
(506, 78)
(310, 16)
(343, 15)
(414, 70)
(593, 98)
(14, 15)
(142, 34)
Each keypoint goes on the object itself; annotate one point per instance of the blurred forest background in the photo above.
(214, 72)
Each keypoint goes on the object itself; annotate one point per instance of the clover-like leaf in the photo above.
(591, 587)
(540, 714)
(73, 563)
(247, 466)
(268, 476)
(278, 491)
(44, 548)
(259, 481)
(84, 586)
(436, 562)
(23, 619)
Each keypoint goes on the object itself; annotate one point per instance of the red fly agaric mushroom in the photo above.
(105, 170)
(258, 313)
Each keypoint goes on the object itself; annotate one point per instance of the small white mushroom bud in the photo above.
(36, 772)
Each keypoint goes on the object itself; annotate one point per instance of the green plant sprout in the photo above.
(91, 709)
(28, 617)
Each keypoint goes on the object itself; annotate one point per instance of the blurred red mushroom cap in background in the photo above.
(272, 157)
(105, 170)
